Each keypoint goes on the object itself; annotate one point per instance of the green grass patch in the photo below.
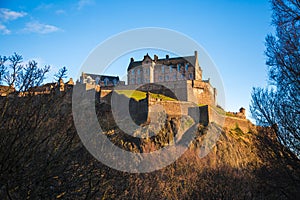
(230, 114)
(138, 95)
(134, 94)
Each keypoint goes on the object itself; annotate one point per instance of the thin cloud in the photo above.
(83, 3)
(36, 27)
(9, 15)
(44, 6)
(4, 30)
(60, 12)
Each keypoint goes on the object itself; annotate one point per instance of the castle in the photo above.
(181, 75)
(178, 78)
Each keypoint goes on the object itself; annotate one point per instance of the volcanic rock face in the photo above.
(42, 157)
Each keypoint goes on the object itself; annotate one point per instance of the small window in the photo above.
(186, 67)
(170, 68)
(162, 69)
(178, 67)
(160, 78)
(97, 80)
(139, 71)
(106, 81)
(182, 76)
(115, 81)
(191, 76)
(167, 78)
(132, 71)
(132, 81)
(174, 77)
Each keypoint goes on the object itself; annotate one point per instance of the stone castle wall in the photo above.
(199, 92)
(209, 114)
(190, 95)
(204, 92)
(172, 108)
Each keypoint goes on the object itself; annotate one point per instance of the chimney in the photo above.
(167, 57)
(155, 58)
(131, 60)
(196, 54)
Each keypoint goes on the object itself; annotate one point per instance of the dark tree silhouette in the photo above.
(19, 76)
(279, 104)
(61, 74)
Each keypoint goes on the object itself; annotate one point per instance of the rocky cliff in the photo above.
(42, 157)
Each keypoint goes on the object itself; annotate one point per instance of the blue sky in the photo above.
(63, 33)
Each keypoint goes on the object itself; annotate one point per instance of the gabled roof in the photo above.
(165, 61)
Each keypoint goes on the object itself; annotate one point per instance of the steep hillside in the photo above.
(42, 157)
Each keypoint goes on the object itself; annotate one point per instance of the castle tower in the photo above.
(198, 70)
(148, 69)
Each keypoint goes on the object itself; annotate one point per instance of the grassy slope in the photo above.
(138, 95)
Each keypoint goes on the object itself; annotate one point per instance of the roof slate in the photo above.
(166, 61)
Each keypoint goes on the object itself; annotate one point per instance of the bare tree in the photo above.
(61, 74)
(280, 106)
(21, 76)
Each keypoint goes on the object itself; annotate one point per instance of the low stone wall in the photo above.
(232, 122)
(173, 108)
(209, 114)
